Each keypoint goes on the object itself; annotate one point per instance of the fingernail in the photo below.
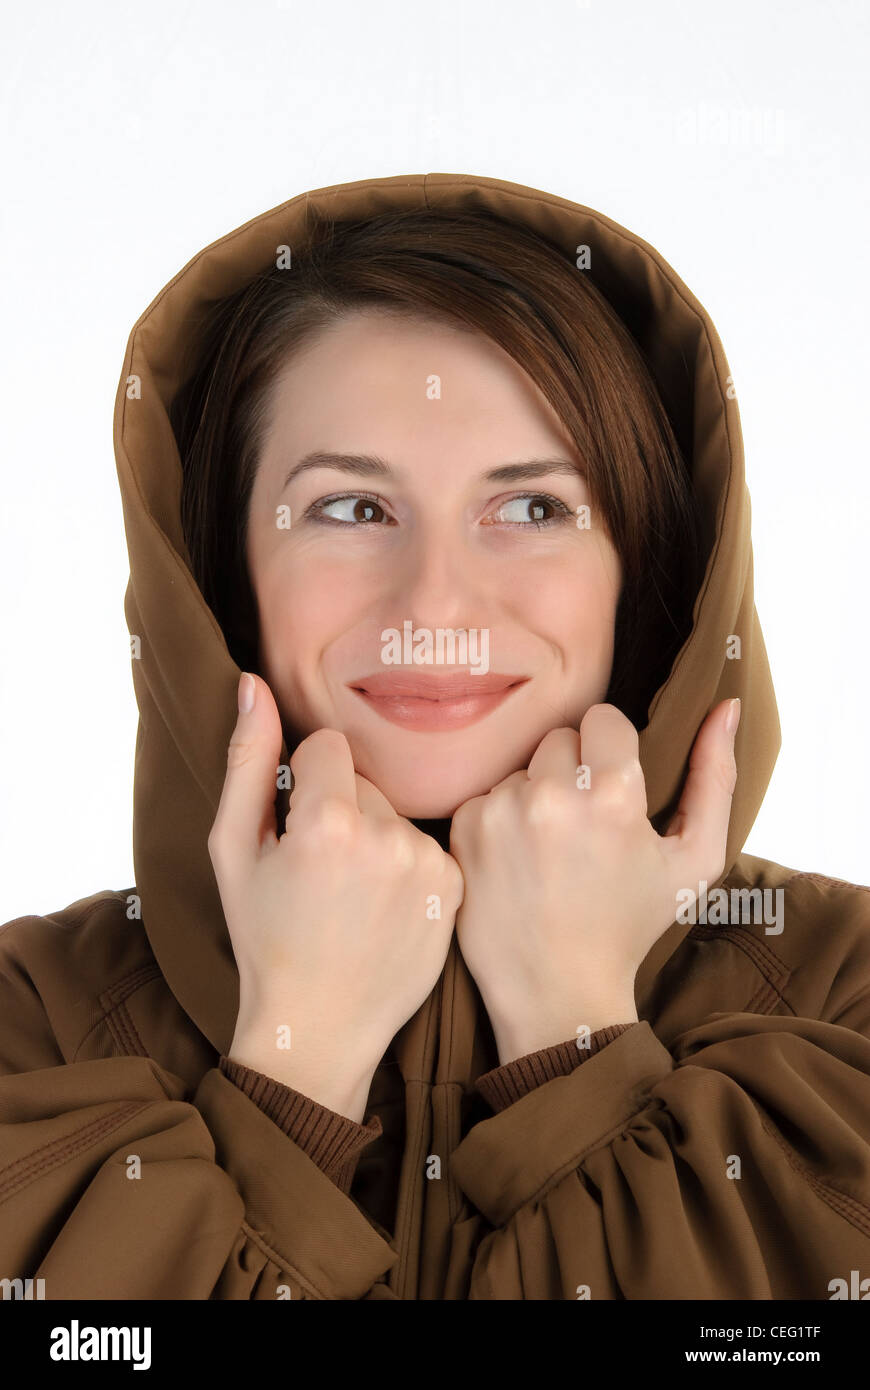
(246, 693)
(733, 717)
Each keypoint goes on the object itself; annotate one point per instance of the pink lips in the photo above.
(429, 703)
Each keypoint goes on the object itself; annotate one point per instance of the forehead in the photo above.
(385, 373)
(360, 340)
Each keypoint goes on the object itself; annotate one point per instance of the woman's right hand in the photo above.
(329, 923)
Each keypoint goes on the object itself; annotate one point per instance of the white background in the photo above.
(733, 138)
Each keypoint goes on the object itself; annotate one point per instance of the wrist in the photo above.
(320, 1075)
(521, 1036)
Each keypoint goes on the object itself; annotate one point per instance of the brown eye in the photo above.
(533, 509)
(359, 509)
(365, 510)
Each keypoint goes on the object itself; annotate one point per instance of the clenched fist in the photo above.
(567, 884)
(333, 924)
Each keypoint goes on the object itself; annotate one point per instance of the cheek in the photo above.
(304, 599)
(574, 607)
(302, 608)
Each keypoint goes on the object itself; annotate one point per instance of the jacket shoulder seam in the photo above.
(60, 917)
(832, 882)
(115, 1014)
(775, 973)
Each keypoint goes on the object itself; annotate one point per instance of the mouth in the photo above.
(431, 704)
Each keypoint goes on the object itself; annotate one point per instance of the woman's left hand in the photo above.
(567, 884)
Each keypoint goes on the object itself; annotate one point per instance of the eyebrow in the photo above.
(372, 466)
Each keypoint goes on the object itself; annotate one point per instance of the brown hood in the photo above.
(185, 679)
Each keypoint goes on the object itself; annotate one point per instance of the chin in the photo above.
(414, 807)
(421, 785)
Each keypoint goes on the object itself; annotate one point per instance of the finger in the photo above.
(322, 768)
(318, 772)
(608, 740)
(704, 812)
(514, 779)
(557, 756)
(606, 743)
(246, 811)
(371, 800)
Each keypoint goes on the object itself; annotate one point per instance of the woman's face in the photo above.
(351, 589)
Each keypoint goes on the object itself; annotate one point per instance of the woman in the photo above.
(451, 979)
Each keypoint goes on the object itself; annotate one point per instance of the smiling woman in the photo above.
(337, 354)
(441, 1029)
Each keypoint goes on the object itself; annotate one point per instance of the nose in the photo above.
(438, 580)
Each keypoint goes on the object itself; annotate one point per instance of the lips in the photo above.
(432, 704)
(385, 685)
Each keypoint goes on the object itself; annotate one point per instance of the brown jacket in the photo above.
(717, 1148)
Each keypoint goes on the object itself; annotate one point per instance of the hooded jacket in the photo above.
(718, 1148)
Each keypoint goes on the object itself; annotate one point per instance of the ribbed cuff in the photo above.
(334, 1142)
(503, 1085)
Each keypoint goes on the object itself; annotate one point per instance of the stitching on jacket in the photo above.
(123, 988)
(843, 1203)
(122, 1028)
(834, 882)
(112, 1000)
(57, 1151)
(281, 1261)
(839, 1201)
(69, 923)
(776, 974)
(846, 1206)
(764, 1000)
(740, 933)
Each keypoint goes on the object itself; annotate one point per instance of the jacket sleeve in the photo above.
(112, 1185)
(334, 1142)
(735, 1165)
(505, 1084)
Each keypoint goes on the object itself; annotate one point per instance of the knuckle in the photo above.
(332, 819)
(613, 789)
(454, 881)
(395, 847)
(492, 809)
(238, 752)
(439, 867)
(427, 852)
(548, 801)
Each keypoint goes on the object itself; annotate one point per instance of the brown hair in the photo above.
(477, 270)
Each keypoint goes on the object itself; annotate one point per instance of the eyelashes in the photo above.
(316, 512)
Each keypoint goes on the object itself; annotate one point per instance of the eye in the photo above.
(359, 509)
(538, 502)
(367, 509)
